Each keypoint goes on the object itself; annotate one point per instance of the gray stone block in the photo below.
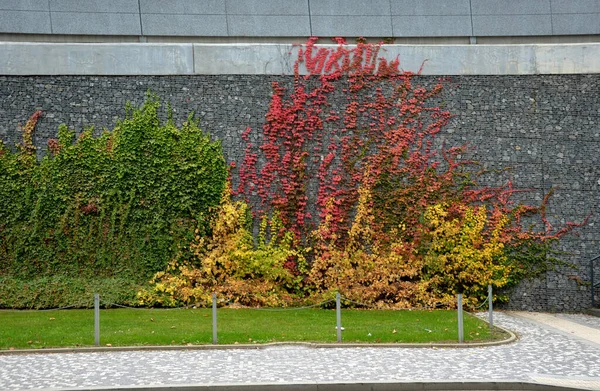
(432, 26)
(575, 6)
(267, 7)
(511, 25)
(349, 7)
(268, 25)
(184, 25)
(352, 26)
(431, 7)
(95, 23)
(576, 24)
(510, 7)
(25, 22)
(188, 7)
(116, 6)
(23, 5)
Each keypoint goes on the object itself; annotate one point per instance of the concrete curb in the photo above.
(345, 386)
(511, 338)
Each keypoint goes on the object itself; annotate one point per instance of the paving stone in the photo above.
(540, 353)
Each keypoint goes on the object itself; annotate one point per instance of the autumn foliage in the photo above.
(360, 198)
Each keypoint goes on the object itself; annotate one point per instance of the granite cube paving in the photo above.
(541, 354)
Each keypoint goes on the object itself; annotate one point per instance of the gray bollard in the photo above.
(338, 313)
(490, 306)
(96, 319)
(214, 319)
(461, 330)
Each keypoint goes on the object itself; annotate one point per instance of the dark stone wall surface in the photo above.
(545, 129)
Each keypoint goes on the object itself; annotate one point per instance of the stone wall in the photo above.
(545, 128)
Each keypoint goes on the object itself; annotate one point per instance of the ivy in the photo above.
(118, 204)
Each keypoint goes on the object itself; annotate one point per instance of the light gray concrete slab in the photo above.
(510, 7)
(351, 26)
(24, 5)
(553, 59)
(432, 26)
(96, 59)
(267, 7)
(268, 25)
(115, 6)
(575, 6)
(431, 7)
(25, 22)
(276, 59)
(95, 23)
(349, 7)
(249, 59)
(567, 24)
(184, 25)
(204, 7)
(511, 25)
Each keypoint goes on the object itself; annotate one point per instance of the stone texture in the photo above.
(23, 5)
(86, 6)
(575, 6)
(190, 7)
(570, 24)
(351, 25)
(540, 131)
(95, 23)
(184, 25)
(25, 22)
(267, 7)
(432, 26)
(512, 25)
(510, 7)
(268, 25)
(349, 7)
(431, 7)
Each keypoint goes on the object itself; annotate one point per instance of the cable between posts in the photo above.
(392, 308)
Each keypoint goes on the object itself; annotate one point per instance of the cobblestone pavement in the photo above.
(540, 355)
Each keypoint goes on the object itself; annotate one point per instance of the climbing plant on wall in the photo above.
(118, 204)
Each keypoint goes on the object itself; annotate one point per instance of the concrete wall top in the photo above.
(289, 18)
(277, 59)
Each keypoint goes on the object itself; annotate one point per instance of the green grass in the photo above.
(130, 327)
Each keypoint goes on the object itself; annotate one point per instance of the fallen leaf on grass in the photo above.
(52, 318)
(394, 331)
(109, 345)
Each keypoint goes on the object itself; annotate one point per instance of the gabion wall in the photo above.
(542, 131)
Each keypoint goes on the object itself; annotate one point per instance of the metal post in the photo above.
(214, 318)
(96, 319)
(338, 312)
(490, 306)
(461, 331)
(592, 278)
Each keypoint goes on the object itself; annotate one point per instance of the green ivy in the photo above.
(116, 205)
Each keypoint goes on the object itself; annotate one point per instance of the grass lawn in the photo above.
(127, 327)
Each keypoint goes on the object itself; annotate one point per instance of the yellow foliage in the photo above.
(229, 264)
(365, 271)
(464, 250)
